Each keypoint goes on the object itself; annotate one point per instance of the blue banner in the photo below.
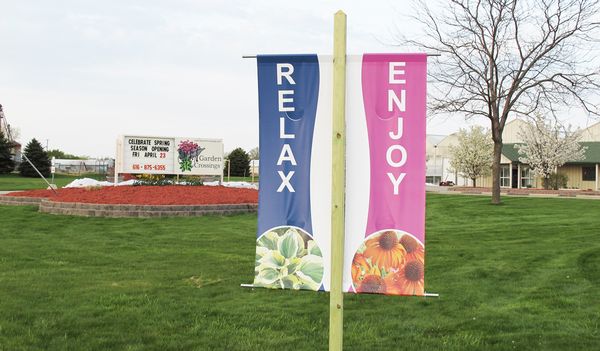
(288, 255)
(288, 88)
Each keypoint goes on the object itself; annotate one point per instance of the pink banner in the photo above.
(391, 259)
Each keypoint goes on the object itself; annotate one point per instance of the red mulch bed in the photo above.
(149, 195)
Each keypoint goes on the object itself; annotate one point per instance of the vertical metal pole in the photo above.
(222, 170)
(443, 178)
(52, 169)
(336, 298)
(435, 163)
(510, 175)
(116, 165)
(597, 181)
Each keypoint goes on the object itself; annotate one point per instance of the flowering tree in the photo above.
(473, 156)
(548, 146)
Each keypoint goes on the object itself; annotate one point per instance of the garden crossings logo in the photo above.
(188, 150)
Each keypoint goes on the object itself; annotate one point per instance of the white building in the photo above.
(98, 166)
(581, 174)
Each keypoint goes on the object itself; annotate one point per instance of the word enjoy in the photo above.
(395, 70)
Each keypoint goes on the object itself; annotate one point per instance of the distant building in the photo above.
(513, 173)
(437, 160)
(16, 152)
(98, 166)
(5, 128)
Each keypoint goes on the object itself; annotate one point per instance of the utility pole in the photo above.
(3, 128)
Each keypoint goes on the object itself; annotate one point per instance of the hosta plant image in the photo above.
(288, 258)
(389, 262)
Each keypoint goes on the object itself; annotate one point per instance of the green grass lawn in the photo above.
(16, 182)
(521, 276)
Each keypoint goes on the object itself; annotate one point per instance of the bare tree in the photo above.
(501, 58)
(254, 153)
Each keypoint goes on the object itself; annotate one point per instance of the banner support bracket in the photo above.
(254, 56)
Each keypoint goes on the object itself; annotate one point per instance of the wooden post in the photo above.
(336, 297)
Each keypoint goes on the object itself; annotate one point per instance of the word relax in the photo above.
(285, 70)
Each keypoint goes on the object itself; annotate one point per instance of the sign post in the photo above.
(336, 299)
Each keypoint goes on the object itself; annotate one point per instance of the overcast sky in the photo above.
(78, 73)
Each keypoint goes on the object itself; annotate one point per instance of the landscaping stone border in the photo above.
(110, 210)
(20, 200)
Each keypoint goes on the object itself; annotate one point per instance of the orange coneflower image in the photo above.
(360, 267)
(373, 284)
(414, 249)
(385, 251)
(409, 280)
(389, 262)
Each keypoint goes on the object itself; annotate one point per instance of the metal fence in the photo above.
(79, 167)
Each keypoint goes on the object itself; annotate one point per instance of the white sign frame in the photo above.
(143, 154)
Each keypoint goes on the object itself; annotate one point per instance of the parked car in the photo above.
(447, 183)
